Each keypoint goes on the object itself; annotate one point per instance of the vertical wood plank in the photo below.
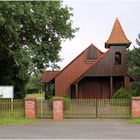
(111, 86)
(76, 90)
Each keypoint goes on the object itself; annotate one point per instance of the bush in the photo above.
(135, 89)
(121, 94)
(66, 102)
(48, 96)
(50, 93)
(66, 98)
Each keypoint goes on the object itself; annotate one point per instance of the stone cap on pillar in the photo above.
(58, 98)
(30, 99)
(136, 98)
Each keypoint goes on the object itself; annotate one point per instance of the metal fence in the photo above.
(97, 108)
(44, 109)
(11, 108)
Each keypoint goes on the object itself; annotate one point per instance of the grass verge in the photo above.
(17, 121)
(134, 120)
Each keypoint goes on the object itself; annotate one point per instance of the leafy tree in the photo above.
(30, 40)
(50, 91)
(134, 67)
(34, 84)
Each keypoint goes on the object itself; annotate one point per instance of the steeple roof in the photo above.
(117, 36)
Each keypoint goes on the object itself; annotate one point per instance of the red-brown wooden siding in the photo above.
(48, 76)
(70, 73)
(106, 67)
(94, 88)
(127, 83)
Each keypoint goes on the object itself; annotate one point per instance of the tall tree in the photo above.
(30, 39)
(34, 85)
(134, 67)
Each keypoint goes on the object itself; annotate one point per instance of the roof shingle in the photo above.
(48, 76)
(117, 36)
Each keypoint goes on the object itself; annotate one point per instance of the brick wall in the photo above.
(30, 108)
(58, 109)
(135, 109)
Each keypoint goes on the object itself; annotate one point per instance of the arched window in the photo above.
(118, 58)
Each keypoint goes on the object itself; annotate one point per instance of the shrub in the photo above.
(50, 93)
(121, 94)
(66, 102)
(135, 89)
(48, 97)
(66, 98)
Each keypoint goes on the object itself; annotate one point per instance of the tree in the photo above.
(134, 67)
(30, 40)
(34, 84)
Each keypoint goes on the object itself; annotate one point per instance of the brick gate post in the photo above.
(135, 109)
(30, 108)
(58, 108)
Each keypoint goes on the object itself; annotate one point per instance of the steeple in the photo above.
(117, 36)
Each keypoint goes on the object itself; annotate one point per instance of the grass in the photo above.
(134, 120)
(37, 96)
(17, 121)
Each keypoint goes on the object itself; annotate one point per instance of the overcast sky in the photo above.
(95, 20)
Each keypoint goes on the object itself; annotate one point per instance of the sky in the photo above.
(95, 20)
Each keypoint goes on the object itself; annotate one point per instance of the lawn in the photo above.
(17, 121)
(134, 120)
(37, 96)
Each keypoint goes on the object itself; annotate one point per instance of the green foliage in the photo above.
(50, 92)
(48, 97)
(66, 102)
(34, 84)
(66, 98)
(134, 67)
(135, 89)
(121, 94)
(30, 40)
(17, 121)
(135, 120)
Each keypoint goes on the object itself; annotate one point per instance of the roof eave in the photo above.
(107, 45)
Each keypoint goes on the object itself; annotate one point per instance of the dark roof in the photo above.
(117, 36)
(48, 76)
(79, 78)
(91, 45)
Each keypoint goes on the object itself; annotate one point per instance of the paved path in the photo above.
(73, 129)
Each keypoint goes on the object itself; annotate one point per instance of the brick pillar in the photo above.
(58, 108)
(30, 108)
(135, 109)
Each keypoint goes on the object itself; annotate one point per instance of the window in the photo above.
(117, 58)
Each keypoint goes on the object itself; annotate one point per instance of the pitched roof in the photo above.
(97, 60)
(48, 76)
(117, 36)
(91, 45)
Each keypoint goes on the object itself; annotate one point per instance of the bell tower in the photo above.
(117, 36)
(117, 44)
